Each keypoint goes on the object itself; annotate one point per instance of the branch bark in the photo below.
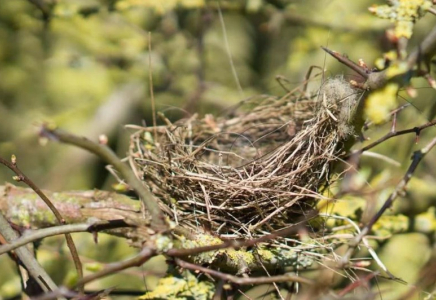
(151, 203)
(23, 207)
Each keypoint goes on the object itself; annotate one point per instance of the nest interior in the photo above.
(255, 169)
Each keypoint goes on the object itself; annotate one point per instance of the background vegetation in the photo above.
(85, 66)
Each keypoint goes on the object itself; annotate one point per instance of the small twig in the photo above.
(29, 261)
(416, 159)
(158, 221)
(361, 282)
(138, 260)
(365, 241)
(417, 130)
(243, 280)
(148, 252)
(145, 254)
(22, 177)
(31, 236)
(393, 113)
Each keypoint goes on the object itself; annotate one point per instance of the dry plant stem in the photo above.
(22, 177)
(229, 53)
(57, 230)
(416, 159)
(32, 266)
(243, 280)
(150, 82)
(158, 222)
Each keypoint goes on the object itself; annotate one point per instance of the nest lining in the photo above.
(254, 170)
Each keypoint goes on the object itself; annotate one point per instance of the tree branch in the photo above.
(32, 266)
(22, 177)
(30, 236)
(151, 203)
(374, 80)
(22, 207)
(416, 159)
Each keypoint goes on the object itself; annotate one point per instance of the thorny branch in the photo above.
(393, 133)
(421, 54)
(416, 159)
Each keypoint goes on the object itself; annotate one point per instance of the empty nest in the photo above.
(255, 169)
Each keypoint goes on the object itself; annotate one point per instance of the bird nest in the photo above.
(257, 168)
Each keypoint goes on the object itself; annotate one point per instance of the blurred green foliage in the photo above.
(85, 65)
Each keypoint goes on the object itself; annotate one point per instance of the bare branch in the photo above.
(416, 159)
(145, 254)
(151, 203)
(417, 130)
(243, 280)
(23, 208)
(32, 236)
(32, 266)
(22, 177)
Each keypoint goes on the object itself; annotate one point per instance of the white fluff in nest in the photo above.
(343, 99)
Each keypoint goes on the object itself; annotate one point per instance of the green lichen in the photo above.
(403, 13)
(163, 243)
(28, 212)
(389, 225)
(245, 260)
(200, 241)
(426, 221)
(184, 287)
